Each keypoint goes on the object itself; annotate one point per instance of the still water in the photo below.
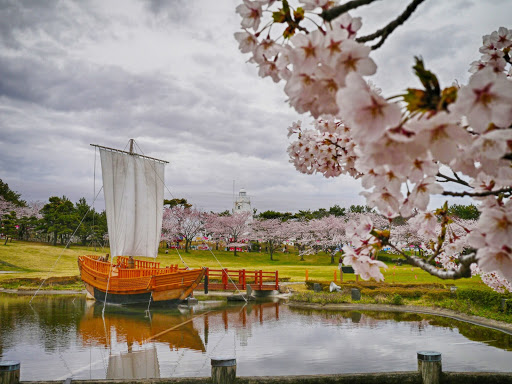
(57, 337)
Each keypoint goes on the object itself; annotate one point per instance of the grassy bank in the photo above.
(481, 302)
(32, 262)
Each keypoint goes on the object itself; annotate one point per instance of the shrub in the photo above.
(397, 300)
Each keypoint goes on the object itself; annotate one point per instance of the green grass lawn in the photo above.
(39, 261)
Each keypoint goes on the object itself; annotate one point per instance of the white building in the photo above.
(242, 203)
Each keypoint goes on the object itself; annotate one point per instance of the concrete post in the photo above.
(223, 370)
(9, 372)
(429, 366)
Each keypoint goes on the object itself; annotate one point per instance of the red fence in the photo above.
(226, 279)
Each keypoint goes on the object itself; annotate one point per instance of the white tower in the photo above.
(242, 203)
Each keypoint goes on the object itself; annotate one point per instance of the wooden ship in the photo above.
(133, 187)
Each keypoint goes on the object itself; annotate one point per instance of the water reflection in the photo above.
(134, 365)
(59, 337)
(417, 322)
(133, 326)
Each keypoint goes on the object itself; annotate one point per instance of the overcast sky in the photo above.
(169, 75)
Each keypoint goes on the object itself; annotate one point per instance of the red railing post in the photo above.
(261, 278)
(244, 280)
(225, 278)
(277, 280)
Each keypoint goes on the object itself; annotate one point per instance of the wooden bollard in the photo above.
(307, 275)
(9, 372)
(223, 370)
(429, 366)
(335, 277)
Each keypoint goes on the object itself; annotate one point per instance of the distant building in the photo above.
(243, 203)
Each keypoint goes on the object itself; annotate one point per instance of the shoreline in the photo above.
(477, 320)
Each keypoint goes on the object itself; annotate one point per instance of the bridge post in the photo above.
(261, 279)
(244, 280)
(206, 280)
(225, 278)
(277, 280)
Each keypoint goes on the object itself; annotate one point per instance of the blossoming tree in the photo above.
(454, 141)
(272, 231)
(182, 222)
(228, 228)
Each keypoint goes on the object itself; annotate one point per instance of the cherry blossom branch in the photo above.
(507, 190)
(464, 270)
(383, 33)
(457, 179)
(332, 13)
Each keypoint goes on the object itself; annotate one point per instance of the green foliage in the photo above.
(177, 202)
(360, 209)
(486, 298)
(337, 211)
(11, 196)
(269, 215)
(59, 218)
(397, 300)
(467, 212)
(431, 98)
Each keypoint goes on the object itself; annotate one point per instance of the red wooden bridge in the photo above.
(230, 280)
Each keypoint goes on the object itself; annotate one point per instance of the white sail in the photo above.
(134, 197)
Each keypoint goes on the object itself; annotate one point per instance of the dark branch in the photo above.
(334, 12)
(457, 179)
(463, 271)
(383, 33)
(478, 194)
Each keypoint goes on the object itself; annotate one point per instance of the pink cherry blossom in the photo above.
(486, 99)
(251, 13)
(367, 113)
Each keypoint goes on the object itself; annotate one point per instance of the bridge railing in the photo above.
(224, 279)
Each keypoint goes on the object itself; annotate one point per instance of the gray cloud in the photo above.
(169, 74)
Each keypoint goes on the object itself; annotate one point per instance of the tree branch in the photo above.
(478, 194)
(456, 180)
(334, 12)
(463, 271)
(383, 33)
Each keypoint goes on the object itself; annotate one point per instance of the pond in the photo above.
(56, 337)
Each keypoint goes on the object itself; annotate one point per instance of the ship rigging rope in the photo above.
(227, 274)
(67, 245)
(183, 261)
(208, 247)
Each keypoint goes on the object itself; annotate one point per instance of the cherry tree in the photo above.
(454, 141)
(272, 231)
(302, 236)
(182, 222)
(327, 234)
(18, 220)
(229, 228)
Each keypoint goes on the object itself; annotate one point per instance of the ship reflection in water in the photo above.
(134, 365)
(139, 330)
(57, 337)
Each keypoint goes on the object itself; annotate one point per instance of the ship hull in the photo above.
(116, 284)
